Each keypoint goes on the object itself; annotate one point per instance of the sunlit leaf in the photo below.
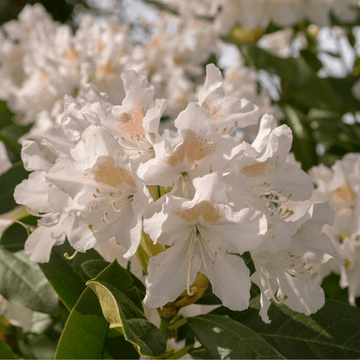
(124, 316)
(87, 334)
(115, 272)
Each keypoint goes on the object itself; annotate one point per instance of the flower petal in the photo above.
(230, 280)
(168, 273)
(33, 192)
(39, 244)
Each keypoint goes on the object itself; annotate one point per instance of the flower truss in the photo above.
(260, 12)
(340, 185)
(93, 181)
(41, 61)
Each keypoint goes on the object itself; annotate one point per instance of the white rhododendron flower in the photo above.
(42, 199)
(289, 259)
(340, 185)
(264, 177)
(135, 123)
(258, 13)
(108, 197)
(199, 152)
(228, 112)
(221, 196)
(156, 144)
(242, 82)
(202, 233)
(349, 250)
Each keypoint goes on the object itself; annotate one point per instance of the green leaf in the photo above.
(332, 332)
(209, 298)
(5, 352)
(301, 85)
(10, 135)
(200, 352)
(124, 316)
(303, 146)
(87, 334)
(14, 237)
(93, 268)
(8, 182)
(116, 346)
(333, 290)
(343, 88)
(311, 58)
(226, 338)
(67, 276)
(5, 114)
(118, 277)
(23, 283)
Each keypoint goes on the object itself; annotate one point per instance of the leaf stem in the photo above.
(175, 319)
(180, 353)
(164, 326)
(178, 324)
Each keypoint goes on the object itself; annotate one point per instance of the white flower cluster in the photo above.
(221, 196)
(41, 61)
(257, 13)
(340, 185)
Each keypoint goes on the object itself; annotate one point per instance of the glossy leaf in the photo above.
(124, 316)
(8, 182)
(93, 268)
(87, 333)
(14, 237)
(121, 279)
(66, 276)
(23, 283)
(332, 332)
(198, 351)
(116, 346)
(226, 338)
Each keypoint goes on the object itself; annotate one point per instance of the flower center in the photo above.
(113, 207)
(268, 201)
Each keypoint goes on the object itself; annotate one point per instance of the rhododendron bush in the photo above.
(160, 202)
